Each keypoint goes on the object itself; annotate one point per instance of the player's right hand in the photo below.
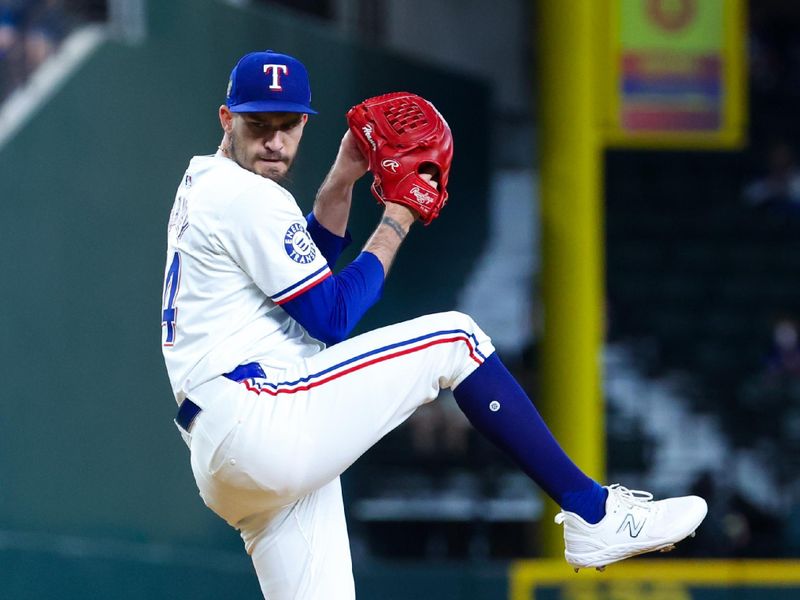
(350, 164)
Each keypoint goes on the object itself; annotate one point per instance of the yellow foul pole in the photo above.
(570, 163)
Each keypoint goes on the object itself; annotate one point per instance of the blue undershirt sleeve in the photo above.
(330, 244)
(331, 309)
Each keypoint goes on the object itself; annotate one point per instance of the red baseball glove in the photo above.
(402, 134)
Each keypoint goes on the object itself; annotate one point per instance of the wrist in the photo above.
(401, 214)
(344, 174)
(338, 185)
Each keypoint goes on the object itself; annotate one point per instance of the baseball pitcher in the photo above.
(275, 401)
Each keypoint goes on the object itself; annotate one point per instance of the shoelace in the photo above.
(632, 497)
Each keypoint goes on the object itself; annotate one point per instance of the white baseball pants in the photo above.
(267, 453)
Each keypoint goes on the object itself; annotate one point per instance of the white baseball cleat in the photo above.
(634, 524)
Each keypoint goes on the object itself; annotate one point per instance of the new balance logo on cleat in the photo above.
(633, 529)
(647, 526)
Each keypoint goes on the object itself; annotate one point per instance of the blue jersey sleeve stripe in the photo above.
(294, 286)
(303, 289)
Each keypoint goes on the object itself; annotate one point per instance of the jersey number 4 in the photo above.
(169, 314)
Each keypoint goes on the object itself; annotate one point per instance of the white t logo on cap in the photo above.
(276, 71)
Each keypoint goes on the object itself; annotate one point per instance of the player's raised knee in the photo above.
(457, 321)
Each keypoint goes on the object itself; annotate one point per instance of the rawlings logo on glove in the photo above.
(403, 135)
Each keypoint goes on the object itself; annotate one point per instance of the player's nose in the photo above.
(274, 141)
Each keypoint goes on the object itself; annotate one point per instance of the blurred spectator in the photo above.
(766, 397)
(780, 187)
(30, 32)
(9, 29)
(11, 47)
(783, 358)
(45, 29)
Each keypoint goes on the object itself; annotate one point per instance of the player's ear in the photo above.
(225, 118)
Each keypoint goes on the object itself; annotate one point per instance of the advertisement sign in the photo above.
(676, 73)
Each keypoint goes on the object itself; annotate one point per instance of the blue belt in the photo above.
(247, 371)
(188, 410)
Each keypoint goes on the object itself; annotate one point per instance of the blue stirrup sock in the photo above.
(500, 409)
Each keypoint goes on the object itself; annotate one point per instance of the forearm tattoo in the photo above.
(395, 226)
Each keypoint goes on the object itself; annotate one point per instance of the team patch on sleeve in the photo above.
(305, 284)
(299, 245)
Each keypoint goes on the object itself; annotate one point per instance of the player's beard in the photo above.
(247, 162)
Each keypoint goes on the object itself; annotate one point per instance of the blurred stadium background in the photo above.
(103, 103)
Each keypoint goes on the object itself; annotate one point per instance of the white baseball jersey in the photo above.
(237, 249)
(267, 451)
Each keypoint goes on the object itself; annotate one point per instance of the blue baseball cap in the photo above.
(269, 82)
